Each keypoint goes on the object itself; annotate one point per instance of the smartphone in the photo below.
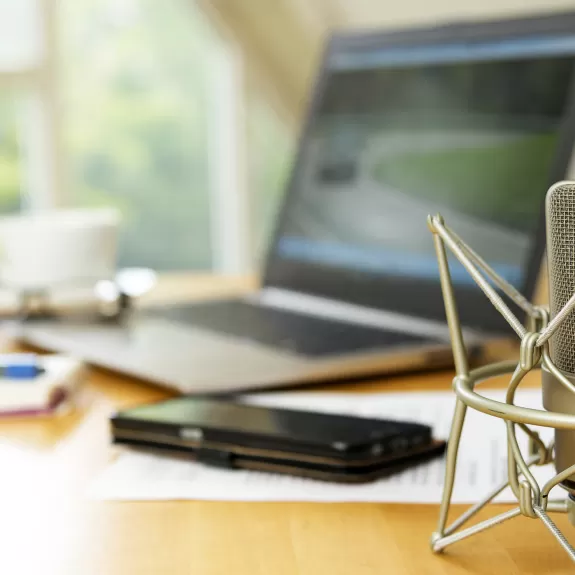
(237, 435)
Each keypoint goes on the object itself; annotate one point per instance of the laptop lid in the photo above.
(473, 121)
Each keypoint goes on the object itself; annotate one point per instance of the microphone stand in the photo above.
(532, 498)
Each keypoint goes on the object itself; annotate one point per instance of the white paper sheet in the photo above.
(481, 464)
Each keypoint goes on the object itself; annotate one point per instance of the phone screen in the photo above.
(297, 426)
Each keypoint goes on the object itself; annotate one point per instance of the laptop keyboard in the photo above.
(303, 334)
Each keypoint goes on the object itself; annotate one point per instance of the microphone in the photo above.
(546, 344)
(560, 224)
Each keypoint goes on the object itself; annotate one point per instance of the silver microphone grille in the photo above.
(560, 220)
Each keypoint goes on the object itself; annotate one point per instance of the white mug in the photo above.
(58, 248)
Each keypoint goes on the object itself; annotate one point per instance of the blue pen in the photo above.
(19, 366)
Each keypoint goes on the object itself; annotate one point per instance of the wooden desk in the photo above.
(47, 526)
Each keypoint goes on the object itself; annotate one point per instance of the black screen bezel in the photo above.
(413, 296)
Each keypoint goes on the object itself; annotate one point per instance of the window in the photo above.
(135, 92)
(20, 30)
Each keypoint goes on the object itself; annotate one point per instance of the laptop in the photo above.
(472, 120)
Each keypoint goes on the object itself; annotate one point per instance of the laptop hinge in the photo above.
(363, 315)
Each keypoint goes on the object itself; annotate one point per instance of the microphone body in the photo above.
(560, 223)
(559, 399)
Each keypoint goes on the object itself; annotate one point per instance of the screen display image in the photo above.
(470, 131)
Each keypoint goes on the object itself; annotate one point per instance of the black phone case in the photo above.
(293, 466)
(409, 444)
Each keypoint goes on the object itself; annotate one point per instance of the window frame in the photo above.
(39, 123)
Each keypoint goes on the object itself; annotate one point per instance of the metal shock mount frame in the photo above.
(532, 498)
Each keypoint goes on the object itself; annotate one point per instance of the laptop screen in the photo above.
(470, 129)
